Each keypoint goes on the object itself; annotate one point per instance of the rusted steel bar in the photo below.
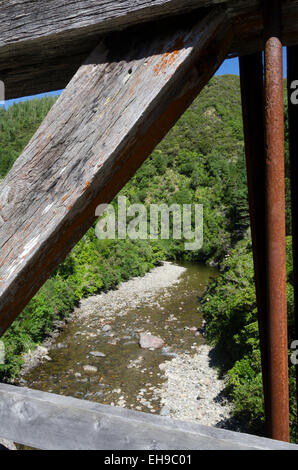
(275, 224)
(252, 97)
(292, 61)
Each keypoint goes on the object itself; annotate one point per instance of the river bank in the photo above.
(96, 355)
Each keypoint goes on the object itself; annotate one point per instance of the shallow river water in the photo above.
(124, 374)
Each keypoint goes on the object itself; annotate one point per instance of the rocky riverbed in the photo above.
(102, 353)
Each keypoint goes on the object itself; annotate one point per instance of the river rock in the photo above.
(42, 351)
(58, 324)
(200, 332)
(167, 352)
(97, 354)
(193, 328)
(91, 369)
(165, 411)
(114, 342)
(106, 328)
(148, 341)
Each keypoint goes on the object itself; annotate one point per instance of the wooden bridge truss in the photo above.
(133, 68)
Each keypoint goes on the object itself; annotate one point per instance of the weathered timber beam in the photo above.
(115, 110)
(249, 28)
(29, 20)
(41, 48)
(54, 422)
(43, 43)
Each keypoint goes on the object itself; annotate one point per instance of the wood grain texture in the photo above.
(43, 43)
(54, 422)
(115, 110)
(248, 36)
(29, 20)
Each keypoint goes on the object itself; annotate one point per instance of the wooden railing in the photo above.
(48, 421)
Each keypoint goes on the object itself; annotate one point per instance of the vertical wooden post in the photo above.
(275, 224)
(252, 97)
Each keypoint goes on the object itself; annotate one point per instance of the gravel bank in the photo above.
(193, 391)
(132, 293)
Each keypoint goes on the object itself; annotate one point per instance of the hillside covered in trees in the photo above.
(202, 161)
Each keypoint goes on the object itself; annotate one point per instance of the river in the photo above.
(97, 356)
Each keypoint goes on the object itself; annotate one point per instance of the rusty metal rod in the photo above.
(292, 75)
(252, 98)
(275, 224)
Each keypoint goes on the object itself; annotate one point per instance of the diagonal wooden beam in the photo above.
(115, 110)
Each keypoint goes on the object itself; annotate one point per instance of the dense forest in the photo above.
(202, 161)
